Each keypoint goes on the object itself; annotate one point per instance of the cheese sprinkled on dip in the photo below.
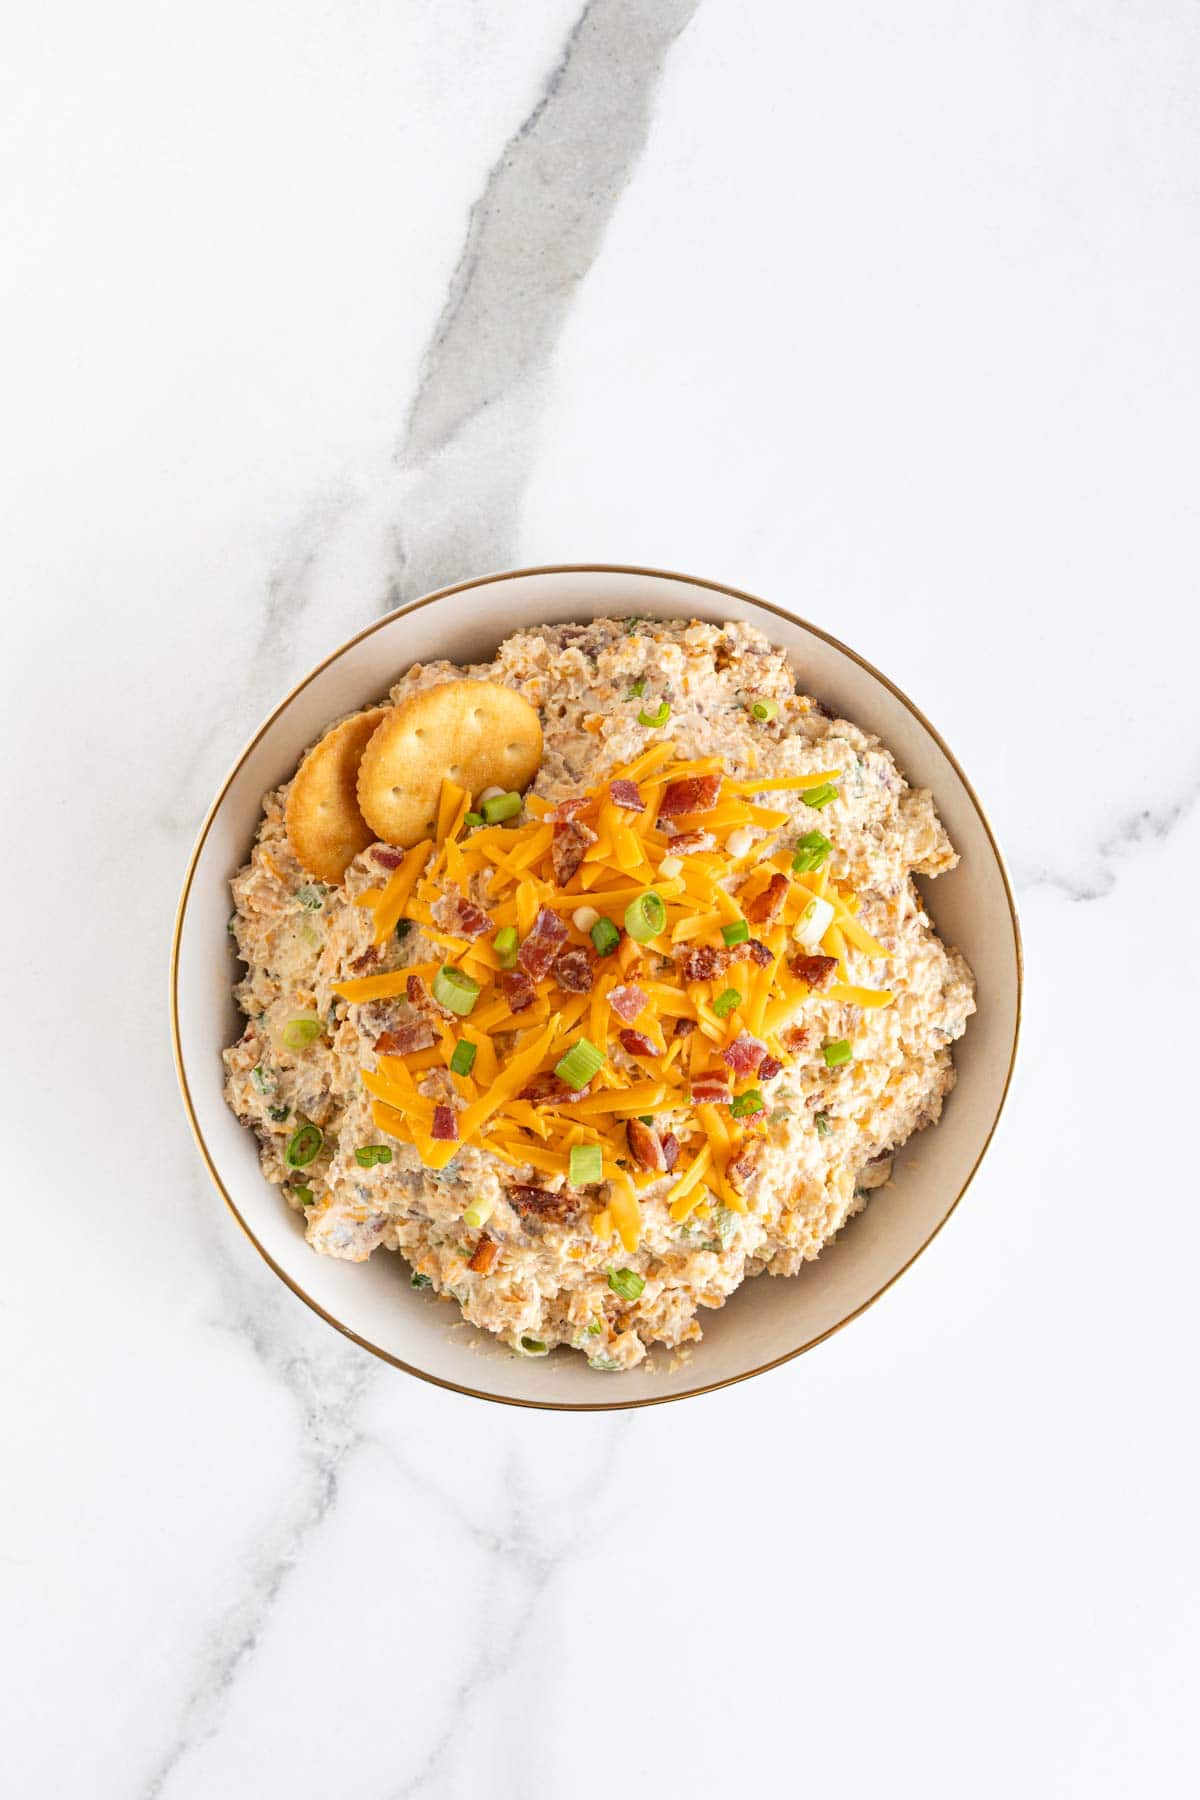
(591, 1058)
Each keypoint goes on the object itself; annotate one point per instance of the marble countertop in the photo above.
(891, 314)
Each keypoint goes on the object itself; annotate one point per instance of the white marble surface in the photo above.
(892, 313)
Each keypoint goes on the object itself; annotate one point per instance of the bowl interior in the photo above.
(767, 1319)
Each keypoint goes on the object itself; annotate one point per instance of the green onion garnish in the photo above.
(626, 1282)
(638, 689)
(579, 1064)
(500, 807)
(821, 1121)
(298, 1034)
(737, 933)
(747, 1104)
(584, 1165)
(836, 1052)
(645, 917)
(605, 937)
(505, 945)
(646, 1118)
(419, 1280)
(820, 796)
(595, 1328)
(726, 1003)
(260, 1081)
(367, 1155)
(811, 851)
(312, 895)
(463, 1059)
(765, 709)
(631, 626)
(653, 720)
(278, 1113)
(453, 988)
(304, 1195)
(472, 819)
(304, 1146)
(478, 1214)
(531, 1346)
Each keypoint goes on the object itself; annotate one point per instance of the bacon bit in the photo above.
(462, 918)
(769, 1068)
(569, 841)
(410, 1036)
(702, 963)
(545, 1203)
(817, 971)
(711, 1090)
(645, 1146)
(683, 1028)
(366, 961)
(445, 1124)
(573, 971)
(625, 795)
(691, 843)
(698, 794)
(628, 1001)
(637, 1043)
(766, 907)
(420, 997)
(670, 1145)
(546, 938)
(517, 989)
(758, 952)
(744, 1054)
(571, 809)
(387, 859)
(484, 1255)
(741, 1167)
(794, 1038)
(547, 1090)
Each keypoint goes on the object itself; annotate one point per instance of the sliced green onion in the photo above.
(737, 933)
(605, 937)
(262, 1082)
(304, 1195)
(726, 1003)
(463, 1059)
(278, 1113)
(419, 1280)
(367, 1155)
(453, 988)
(821, 1121)
(603, 1362)
(584, 1165)
(646, 1118)
(645, 917)
(820, 796)
(478, 1214)
(531, 1346)
(811, 851)
(505, 944)
(500, 807)
(312, 895)
(472, 819)
(747, 1104)
(836, 1052)
(595, 1328)
(304, 1146)
(298, 1034)
(765, 709)
(638, 689)
(631, 625)
(653, 720)
(626, 1282)
(579, 1064)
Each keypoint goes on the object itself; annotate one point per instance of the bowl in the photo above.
(766, 1322)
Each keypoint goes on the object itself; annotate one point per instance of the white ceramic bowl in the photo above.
(766, 1321)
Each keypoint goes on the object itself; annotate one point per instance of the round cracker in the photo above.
(324, 825)
(476, 732)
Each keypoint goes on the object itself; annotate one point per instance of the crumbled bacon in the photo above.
(697, 794)
(645, 1146)
(546, 938)
(758, 952)
(545, 1203)
(683, 1028)
(670, 1145)
(769, 1068)
(445, 1124)
(484, 1255)
(625, 795)
(628, 1001)
(420, 997)
(366, 961)
(573, 971)
(637, 1043)
(766, 907)
(571, 809)
(547, 1090)
(462, 918)
(568, 842)
(744, 1054)
(517, 989)
(701, 962)
(387, 859)
(741, 1167)
(403, 1039)
(690, 843)
(794, 1038)
(711, 1090)
(817, 971)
